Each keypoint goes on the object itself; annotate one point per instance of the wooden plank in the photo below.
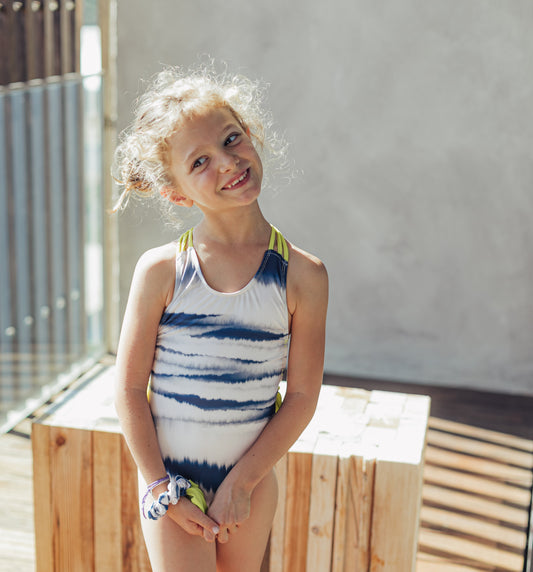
(397, 496)
(493, 509)
(72, 509)
(322, 506)
(471, 526)
(341, 510)
(497, 471)
(479, 433)
(17, 527)
(431, 563)
(478, 485)
(299, 470)
(352, 553)
(362, 499)
(478, 448)
(134, 554)
(468, 552)
(278, 525)
(107, 501)
(40, 437)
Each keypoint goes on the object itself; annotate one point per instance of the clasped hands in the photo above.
(229, 509)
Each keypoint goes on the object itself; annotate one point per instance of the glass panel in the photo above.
(51, 232)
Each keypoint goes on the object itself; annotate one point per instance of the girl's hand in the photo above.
(193, 520)
(230, 508)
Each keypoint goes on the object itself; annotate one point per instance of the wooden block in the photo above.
(107, 501)
(40, 437)
(349, 488)
(278, 525)
(322, 506)
(299, 470)
(72, 501)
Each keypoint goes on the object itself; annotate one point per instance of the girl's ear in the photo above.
(175, 197)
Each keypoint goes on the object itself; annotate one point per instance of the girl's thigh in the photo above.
(246, 546)
(171, 549)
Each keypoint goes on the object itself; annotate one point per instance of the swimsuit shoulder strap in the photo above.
(185, 241)
(276, 239)
(281, 244)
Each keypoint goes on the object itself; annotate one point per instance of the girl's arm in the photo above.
(151, 291)
(307, 297)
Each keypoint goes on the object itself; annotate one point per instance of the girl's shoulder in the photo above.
(155, 271)
(307, 278)
(158, 259)
(305, 265)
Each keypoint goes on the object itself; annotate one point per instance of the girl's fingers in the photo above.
(193, 520)
(223, 535)
(208, 527)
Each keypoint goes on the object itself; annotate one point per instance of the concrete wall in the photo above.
(411, 124)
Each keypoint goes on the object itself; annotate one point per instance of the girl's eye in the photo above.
(232, 138)
(199, 162)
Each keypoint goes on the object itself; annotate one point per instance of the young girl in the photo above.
(207, 327)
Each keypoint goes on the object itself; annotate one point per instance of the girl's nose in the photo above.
(228, 162)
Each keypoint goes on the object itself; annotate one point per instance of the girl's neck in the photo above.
(241, 226)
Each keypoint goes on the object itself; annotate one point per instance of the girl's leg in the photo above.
(171, 549)
(246, 546)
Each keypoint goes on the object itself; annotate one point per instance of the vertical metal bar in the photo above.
(55, 8)
(17, 53)
(40, 211)
(93, 185)
(22, 226)
(74, 218)
(68, 36)
(52, 43)
(108, 10)
(4, 44)
(56, 186)
(78, 22)
(35, 39)
(7, 324)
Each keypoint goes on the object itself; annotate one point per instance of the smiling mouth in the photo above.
(238, 180)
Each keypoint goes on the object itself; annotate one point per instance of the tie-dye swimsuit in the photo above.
(218, 363)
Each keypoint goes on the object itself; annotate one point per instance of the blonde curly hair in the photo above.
(141, 165)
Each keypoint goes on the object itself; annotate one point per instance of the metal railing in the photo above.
(50, 206)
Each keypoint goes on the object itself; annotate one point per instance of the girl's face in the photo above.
(214, 163)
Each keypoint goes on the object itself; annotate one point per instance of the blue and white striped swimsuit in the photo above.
(218, 362)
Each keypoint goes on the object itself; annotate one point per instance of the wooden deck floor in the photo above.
(476, 494)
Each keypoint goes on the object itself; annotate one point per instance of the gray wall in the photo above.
(411, 129)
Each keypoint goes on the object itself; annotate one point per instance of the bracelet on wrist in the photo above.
(177, 485)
